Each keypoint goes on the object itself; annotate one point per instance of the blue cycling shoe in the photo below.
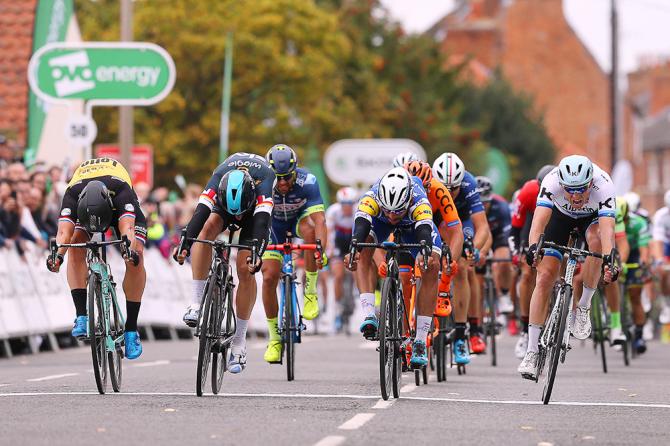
(461, 352)
(640, 346)
(369, 327)
(419, 355)
(133, 344)
(80, 327)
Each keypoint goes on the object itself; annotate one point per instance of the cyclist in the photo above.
(450, 171)
(524, 207)
(661, 252)
(100, 195)
(397, 200)
(238, 196)
(403, 158)
(340, 222)
(299, 210)
(576, 195)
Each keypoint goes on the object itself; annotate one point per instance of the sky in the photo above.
(644, 25)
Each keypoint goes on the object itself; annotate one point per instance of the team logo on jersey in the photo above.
(129, 207)
(545, 193)
(245, 163)
(66, 212)
(605, 204)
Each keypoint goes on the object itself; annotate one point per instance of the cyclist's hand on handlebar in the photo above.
(421, 261)
(254, 267)
(382, 269)
(54, 262)
(610, 273)
(354, 261)
(531, 253)
(321, 259)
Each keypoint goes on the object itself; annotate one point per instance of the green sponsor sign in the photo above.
(498, 170)
(106, 73)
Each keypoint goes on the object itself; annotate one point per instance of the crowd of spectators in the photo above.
(30, 200)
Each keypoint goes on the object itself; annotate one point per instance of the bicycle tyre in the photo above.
(386, 347)
(597, 315)
(97, 332)
(492, 323)
(556, 346)
(440, 348)
(289, 328)
(115, 358)
(399, 353)
(626, 326)
(205, 340)
(219, 311)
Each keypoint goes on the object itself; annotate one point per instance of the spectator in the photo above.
(46, 221)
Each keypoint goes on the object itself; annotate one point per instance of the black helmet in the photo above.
(94, 209)
(282, 159)
(484, 187)
(237, 192)
(544, 171)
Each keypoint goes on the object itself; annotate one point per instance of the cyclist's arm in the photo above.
(658, 235)
(541, 217)
(606, 226)
(453, 236)
(482, 230)
(361, 229)
(64, 235)
(320, 229)
(66, 220)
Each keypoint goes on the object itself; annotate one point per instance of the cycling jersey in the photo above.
(525, 202)
(468, 201)
(637, 231)
(601, 200)
(661, 225)
(303, 199)
(100, 167)
(498, 217)
(339, 230)
(442, 205)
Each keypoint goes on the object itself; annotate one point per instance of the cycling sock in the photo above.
(534, 337)
(524, 324)
(273, 332)
(459, 329)
(368, 304)
(132, 310)
(79, 299)
(198, 289)
(240, 337)
(474, 325)
(587, 294)
(504, 291)
(639, 329)
(615, 319)
(311, 279)
(422, 327)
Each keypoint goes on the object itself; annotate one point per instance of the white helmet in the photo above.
(405, 157)
(575, 171)
(449, 169)
(394, 191)
(633, 201)
(347, 195)
(666, 198)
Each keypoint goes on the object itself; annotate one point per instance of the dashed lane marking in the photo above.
(331, 440)
(407, 388)
(151, 363)
(356, 421)
(50, 377)
(381, 404)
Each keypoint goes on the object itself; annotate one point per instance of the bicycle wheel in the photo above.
(598, 317)
(205, 339)
(115, 357)
(289, 327)
(219, 351)
(440, 348)
(626, 325)
(400, 355)
(491, 326)
(386, 346)
(97, 332)
(556, 340)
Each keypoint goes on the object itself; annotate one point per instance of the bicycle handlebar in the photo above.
(390, 246)
(124, 242)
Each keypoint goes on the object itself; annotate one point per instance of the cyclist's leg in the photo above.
(305, 230)
(502, 274)
(613, 296)
(271, 271)
(136, 277)
(590, 276)
(201, 255)
(366, 278)
(77, 272)
(475, 312)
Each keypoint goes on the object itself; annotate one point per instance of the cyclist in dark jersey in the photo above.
(238, 196)
(100, 195)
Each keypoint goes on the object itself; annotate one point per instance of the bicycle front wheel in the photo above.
(598, 317)
(491, 326)
(219, 351)
(556, 340)
(205, 339)
(386, 343)
(290, 328)
(97, 332)
(115, 357)
(440, 348)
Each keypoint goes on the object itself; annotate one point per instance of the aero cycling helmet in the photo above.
(633, 201)
(575, 171)
(394, 191)
(420, 169)
(403, 158)
(237, 192)
(485, 188)
(449, 169)
(282, 159)
(347, 195)
(544, 171)
(95, 210)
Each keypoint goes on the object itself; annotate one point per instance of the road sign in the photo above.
(108, 73)
(81, 130)
(141, 163)
(363, 161)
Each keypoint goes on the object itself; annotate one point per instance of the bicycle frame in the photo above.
(99, 267)
(287, 272)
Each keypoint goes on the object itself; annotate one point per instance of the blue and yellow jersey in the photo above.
(420, 211)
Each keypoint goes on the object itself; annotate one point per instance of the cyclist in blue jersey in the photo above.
(298, 210)
(397, 200)
(450, 170)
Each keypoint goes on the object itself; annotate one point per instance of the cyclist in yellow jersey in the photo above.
(100, 196)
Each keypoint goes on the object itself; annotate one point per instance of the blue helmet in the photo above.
(282, 159)
(237, 192)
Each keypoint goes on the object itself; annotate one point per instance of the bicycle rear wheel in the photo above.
(115, 357)
(97, 332)
(556, 341)
(440, 347)
(386, 345)
(491, 326)
(289, 328)
(205, 339)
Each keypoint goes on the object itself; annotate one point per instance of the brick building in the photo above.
(540, 54)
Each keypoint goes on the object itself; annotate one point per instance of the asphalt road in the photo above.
(50, 399)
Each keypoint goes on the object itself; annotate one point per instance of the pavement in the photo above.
(50, 399)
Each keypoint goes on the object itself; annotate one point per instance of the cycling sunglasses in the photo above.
(576, 189)
(286, 177)
(399, 212)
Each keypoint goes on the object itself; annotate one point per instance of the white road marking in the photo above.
(331, 440)
(368, 345)
(50, 377)
(356, 421)
(381, 404)
(151, 363)
(407, 388)
(354, 397)
(5, 385)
